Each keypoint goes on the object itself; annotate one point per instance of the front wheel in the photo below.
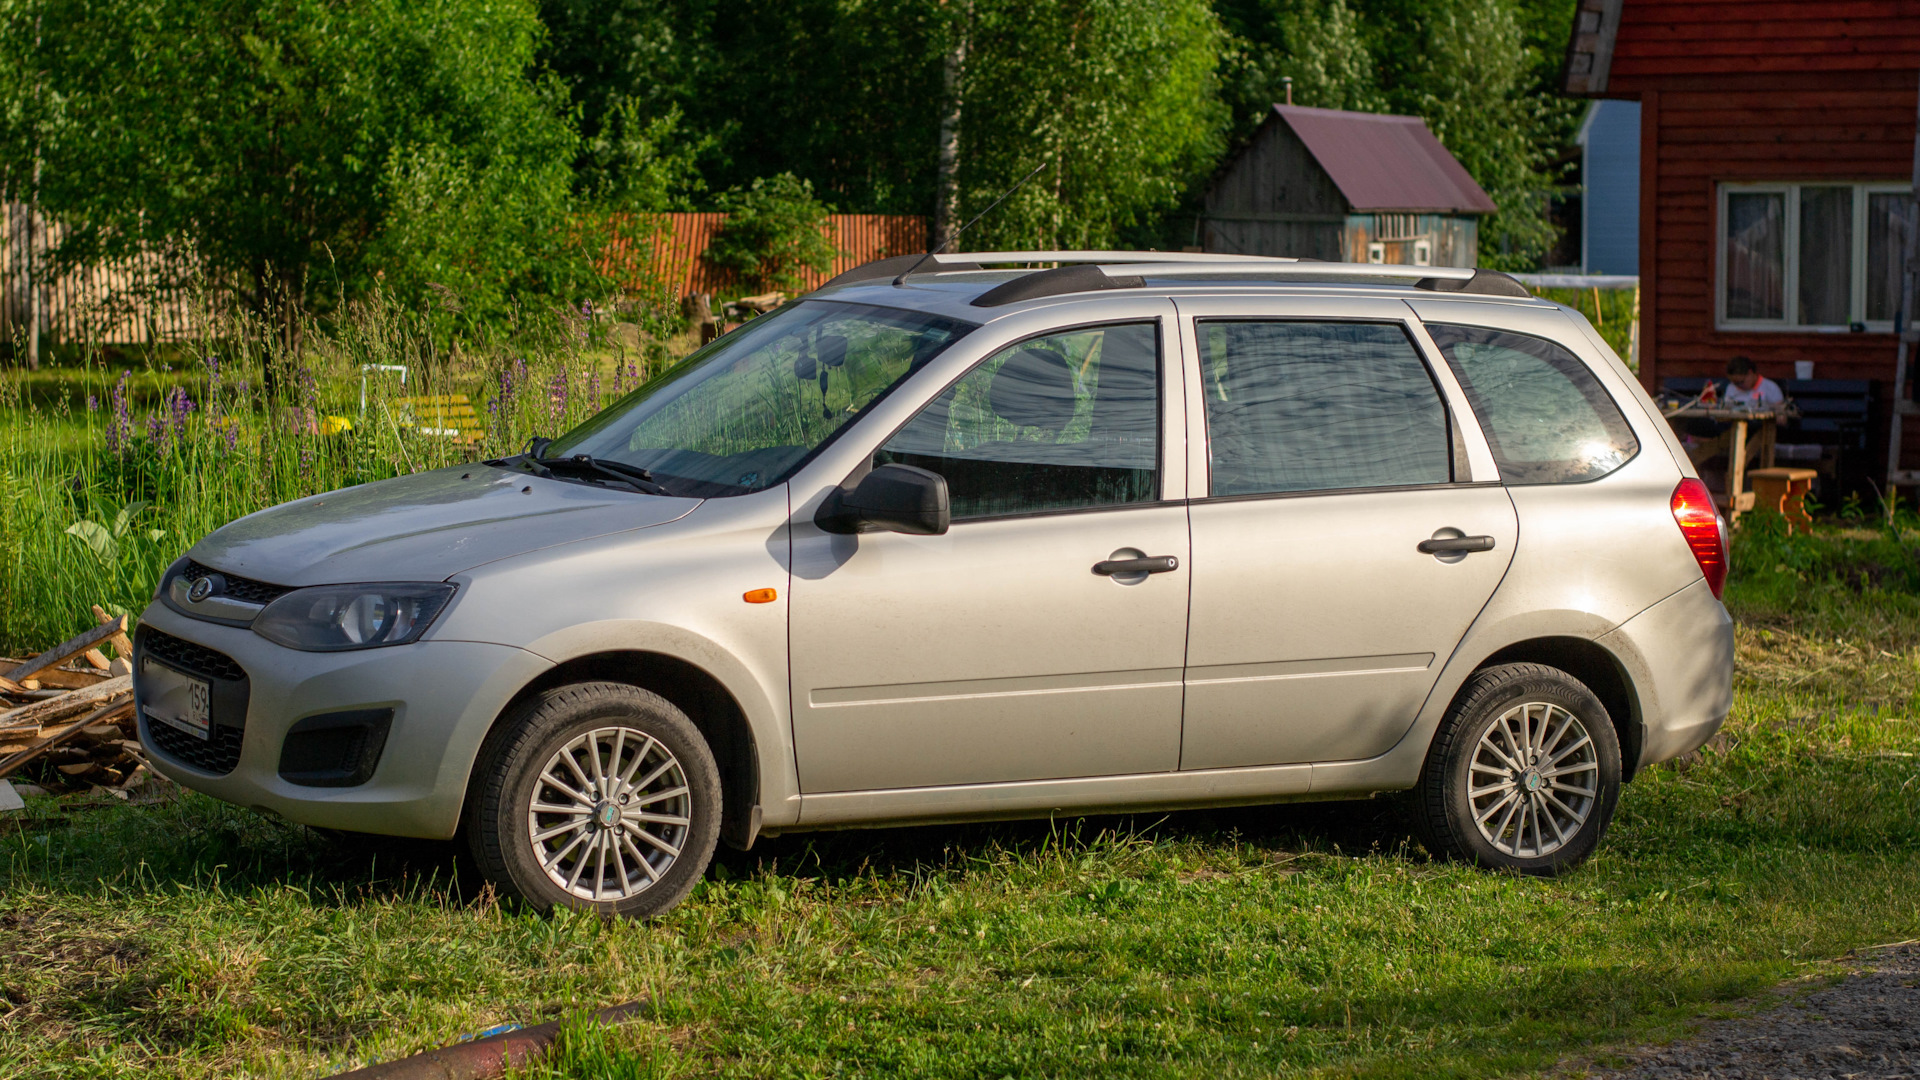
(1524, 773)
(597, 795)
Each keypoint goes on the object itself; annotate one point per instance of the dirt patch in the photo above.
(1865, 1027)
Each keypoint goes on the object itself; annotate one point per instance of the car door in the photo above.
(1004, 650)
(1351, 531)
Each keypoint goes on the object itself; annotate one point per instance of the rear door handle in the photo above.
(1152, 564)
(1455, 545)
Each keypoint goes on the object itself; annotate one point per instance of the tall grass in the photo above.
(110, 470)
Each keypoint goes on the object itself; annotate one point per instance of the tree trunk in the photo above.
(946, 203)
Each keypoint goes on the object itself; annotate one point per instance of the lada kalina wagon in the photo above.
(1133, 531)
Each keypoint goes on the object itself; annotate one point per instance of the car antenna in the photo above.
(902, 279)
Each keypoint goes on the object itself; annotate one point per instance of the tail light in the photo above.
(1700, 523)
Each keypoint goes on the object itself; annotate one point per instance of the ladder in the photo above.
(1904, 405)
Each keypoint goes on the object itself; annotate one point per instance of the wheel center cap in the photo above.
(1531, 781)
(607, 814)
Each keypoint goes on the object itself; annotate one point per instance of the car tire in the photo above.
(599, 796)
(1523, 775)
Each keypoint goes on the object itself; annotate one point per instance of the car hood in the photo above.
(424, 527)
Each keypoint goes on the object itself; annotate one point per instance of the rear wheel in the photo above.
(1523, 775)
(596, 795)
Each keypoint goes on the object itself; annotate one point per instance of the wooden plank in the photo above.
(1698, 128)
(1821, 21)
(1868, 100)
(72, 647)
(122, 645)
(1699, 65)
(61, 679)
(116, 711)
(1649, 254)
(66, 704)
(1736, 16)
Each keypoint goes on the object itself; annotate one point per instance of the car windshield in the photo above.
(747, 410)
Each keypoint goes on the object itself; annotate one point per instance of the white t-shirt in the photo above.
(1765, 395)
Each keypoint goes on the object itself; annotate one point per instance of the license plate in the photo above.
(176, 699)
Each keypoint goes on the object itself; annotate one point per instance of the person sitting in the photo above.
(1749, 390)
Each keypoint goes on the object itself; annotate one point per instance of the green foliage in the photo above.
(302, 151)
(776, 230)
(1472, 83)
(1320, 44)
(841, 92)
(1117, 97)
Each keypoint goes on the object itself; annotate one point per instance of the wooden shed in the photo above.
(1345, 187)
(1777, 155)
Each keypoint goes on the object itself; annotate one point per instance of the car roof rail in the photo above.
(1088, 271)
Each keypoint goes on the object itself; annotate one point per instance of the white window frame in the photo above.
(1790, 253)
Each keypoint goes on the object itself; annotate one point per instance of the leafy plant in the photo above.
(775, 231)
(105, 540)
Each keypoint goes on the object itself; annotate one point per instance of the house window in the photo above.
(1811, 256)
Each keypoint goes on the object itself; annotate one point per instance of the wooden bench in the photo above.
(1784, 492)
(447, 416)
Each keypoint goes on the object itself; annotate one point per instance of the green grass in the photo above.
(191, 938)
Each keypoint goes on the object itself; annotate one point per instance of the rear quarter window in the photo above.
(1547, 419)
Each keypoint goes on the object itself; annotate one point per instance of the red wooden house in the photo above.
(1777, 161)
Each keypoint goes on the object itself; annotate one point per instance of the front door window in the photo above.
(1065, 422)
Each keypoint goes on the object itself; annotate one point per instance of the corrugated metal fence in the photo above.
(683, 238)
(126, 302)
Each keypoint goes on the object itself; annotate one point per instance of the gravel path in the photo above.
(1866, 1027)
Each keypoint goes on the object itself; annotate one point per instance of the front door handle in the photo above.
(1151, 564)
(1455, 545)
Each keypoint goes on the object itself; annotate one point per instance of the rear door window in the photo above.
(1065, 422)
(1319, 406)
(1546, 418)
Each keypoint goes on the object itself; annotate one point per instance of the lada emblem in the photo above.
(204, 587)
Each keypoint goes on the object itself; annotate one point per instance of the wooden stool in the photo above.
(1784, 491)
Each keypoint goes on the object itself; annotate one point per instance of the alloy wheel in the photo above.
(609, 814)
(1534, 779)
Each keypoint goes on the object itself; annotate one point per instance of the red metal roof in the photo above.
(1382, 162)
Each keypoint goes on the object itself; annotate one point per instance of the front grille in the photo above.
(245, 590)
(187, 656)
(218, 754)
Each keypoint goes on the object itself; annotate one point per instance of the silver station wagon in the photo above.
(1125, 531)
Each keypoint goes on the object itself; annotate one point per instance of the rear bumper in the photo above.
(1679, 654)
(444, 696)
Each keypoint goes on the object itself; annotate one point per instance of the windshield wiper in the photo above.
(631, 475)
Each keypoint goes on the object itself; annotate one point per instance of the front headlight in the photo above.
(333, 618)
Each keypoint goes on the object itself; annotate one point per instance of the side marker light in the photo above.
(760, 596)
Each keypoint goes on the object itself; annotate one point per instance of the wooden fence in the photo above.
(126, 302)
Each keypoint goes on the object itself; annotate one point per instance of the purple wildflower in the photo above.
(557, 394)
(180, 404)
(231, 432)
(593, 389)
(157, 432)
(120, 428)
(93, 403)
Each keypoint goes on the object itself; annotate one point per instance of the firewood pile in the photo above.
(66, 716)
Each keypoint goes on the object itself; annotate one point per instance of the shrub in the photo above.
(776, 230)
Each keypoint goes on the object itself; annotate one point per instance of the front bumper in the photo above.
(444, 695)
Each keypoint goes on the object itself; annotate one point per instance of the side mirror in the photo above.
(891, 498)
